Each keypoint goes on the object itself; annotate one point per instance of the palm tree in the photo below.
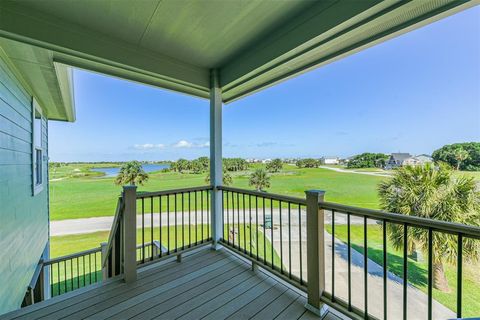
(131, 173)
(226, 180)
(460, 155)
(432, 192)
(259, 179)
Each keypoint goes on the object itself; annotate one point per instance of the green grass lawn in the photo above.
(417, 271)
(84, 197)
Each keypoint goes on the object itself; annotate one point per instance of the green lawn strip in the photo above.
(417, 271)
(86, 197)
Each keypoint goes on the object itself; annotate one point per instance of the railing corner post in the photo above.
(130, 233)
(315, 249)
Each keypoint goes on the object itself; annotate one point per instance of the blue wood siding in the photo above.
(23, 217)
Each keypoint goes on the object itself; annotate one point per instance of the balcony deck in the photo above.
(205, 285)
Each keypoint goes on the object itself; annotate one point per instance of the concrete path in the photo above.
(89, 225)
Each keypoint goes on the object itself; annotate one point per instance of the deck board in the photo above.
(205, 285)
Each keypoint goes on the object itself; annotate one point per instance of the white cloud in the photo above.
(187, 144)
(181, 144)
(148, 146)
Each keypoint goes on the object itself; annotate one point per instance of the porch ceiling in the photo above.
(174, 44)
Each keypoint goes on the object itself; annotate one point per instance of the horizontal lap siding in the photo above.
(23, 217)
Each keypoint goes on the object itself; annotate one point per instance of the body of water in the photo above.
(112, 172)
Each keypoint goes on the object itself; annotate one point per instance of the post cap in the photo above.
(314, 191)
(129, 187)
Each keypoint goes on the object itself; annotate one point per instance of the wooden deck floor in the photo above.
(205, 285)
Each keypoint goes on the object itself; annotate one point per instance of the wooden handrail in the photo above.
(445, 226)
(71, 256)
(273, 196)
(141, 195)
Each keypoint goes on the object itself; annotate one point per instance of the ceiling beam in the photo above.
(80, 47)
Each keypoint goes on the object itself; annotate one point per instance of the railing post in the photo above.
(315, 249)
(103, 253)
(130, 233)
(216, 158)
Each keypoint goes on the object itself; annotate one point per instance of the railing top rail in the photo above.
(71, 256)
(446, 226)
(141, 195)
(273, 196)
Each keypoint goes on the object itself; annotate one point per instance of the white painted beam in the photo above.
(216, 174)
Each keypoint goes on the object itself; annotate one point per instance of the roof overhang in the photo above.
(175, 44)
(49, 82)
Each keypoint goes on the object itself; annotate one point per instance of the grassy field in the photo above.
(74, 197)
(417, 271)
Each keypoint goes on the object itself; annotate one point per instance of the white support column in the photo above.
(130, 233)
(315, 250)
(216, 174)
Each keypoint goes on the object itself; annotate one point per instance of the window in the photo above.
(37, 150)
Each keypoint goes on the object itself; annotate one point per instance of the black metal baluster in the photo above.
(189, 220)
(349, 258)
(228, 220)
(250, 222)
(271, 231)
(183, 223)
(65, 279)
(333, 255)
(58, 275)
(405, 270)
(78, 273)
(95, 261)
(459, 274)
(201, 205)
(151, 228)
(244, 226)
(196, 221)
(238, 221)
(385, 269)
(71, 273)
(430, 273)
(289, 240)
(176, 225)
(256, 226)
(365, 264)
(300, 241)
(168, 223)
(160, 240)
(84, 277)
(90, 268)
(209, 218)
(233, 218)
(281, 238)
(264, 233)
(143, 230)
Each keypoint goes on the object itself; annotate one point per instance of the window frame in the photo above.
(37, 187)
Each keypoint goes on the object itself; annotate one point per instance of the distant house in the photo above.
(403, 159)
(330, 160)
(418, 160)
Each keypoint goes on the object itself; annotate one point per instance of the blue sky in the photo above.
(413, 94)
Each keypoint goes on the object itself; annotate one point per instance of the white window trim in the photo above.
(37, 188)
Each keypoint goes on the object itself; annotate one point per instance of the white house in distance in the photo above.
(403, 159)
(330, 160)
